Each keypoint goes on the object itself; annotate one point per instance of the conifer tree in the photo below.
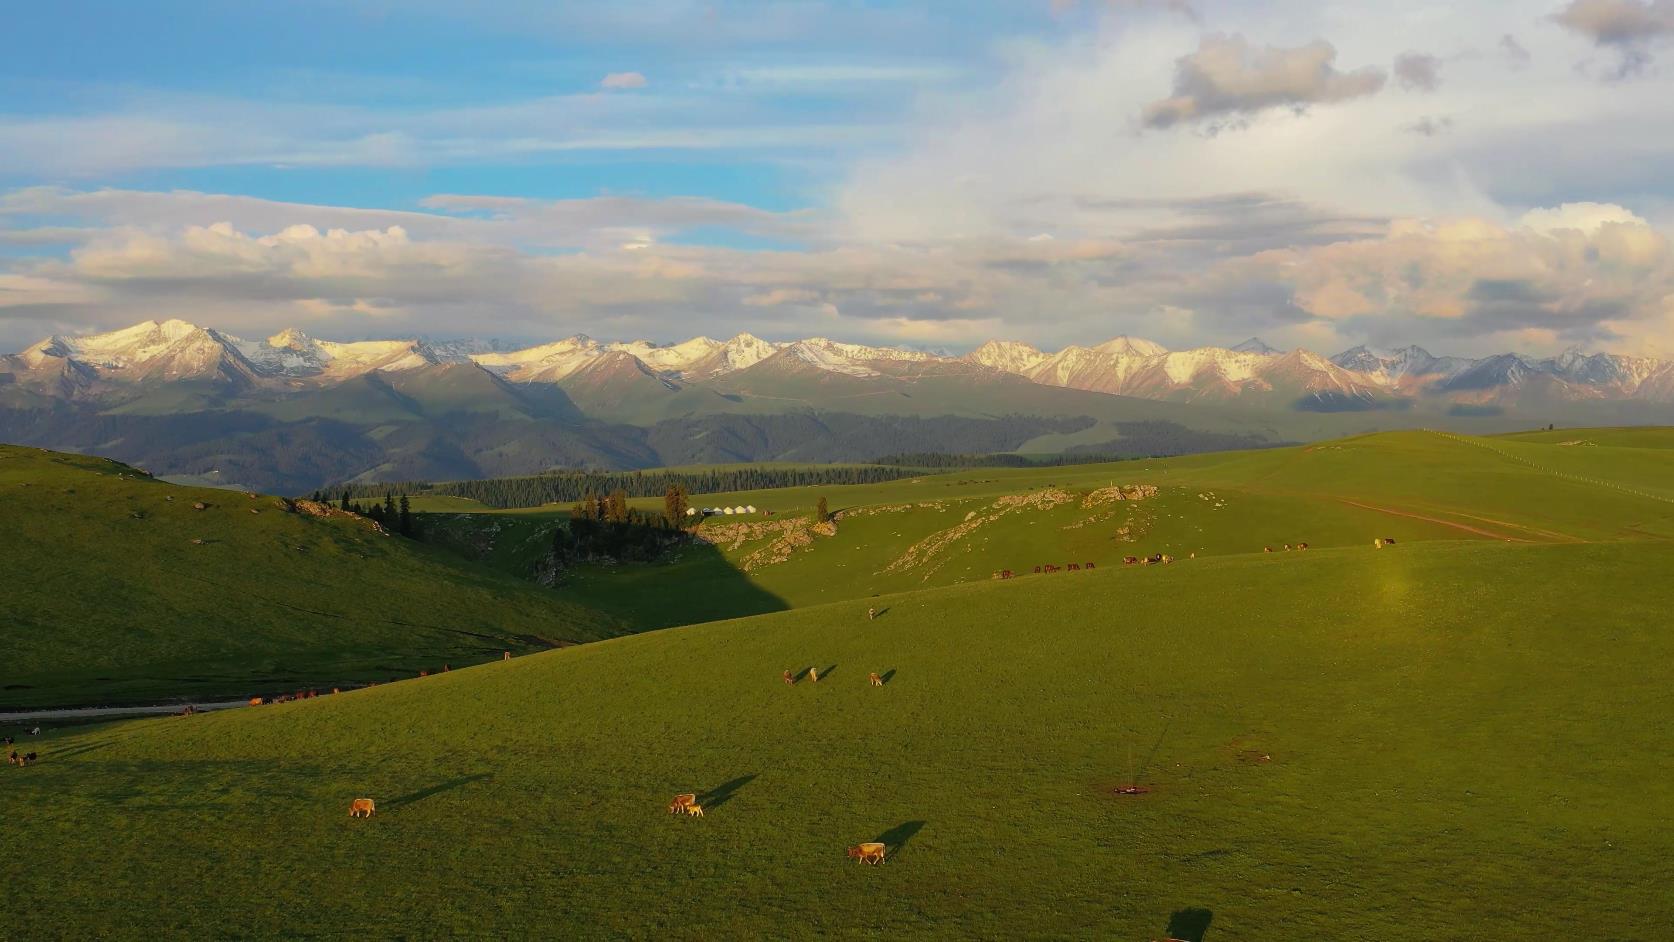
(406, 518)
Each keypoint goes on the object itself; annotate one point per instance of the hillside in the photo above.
(118, 590)
(966, 525)
(1439, 741)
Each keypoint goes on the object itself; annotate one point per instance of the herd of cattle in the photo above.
(1161, 559)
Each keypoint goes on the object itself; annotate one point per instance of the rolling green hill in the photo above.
(966, 525)
(118, 590)
(1432, 741)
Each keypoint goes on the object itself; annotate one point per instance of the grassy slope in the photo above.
(103, 606)
(1406, 485)
(1467, 740)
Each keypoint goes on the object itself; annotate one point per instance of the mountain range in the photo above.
(294, 410)
(108, 366)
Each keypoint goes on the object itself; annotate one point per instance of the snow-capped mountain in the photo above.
(102, 365)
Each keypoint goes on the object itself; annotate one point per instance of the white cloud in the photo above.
(1228, 76)
(622, 80)
(1630, 27)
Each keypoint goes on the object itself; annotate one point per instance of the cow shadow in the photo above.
(721, 794)
(887, 676)
(881, 612)
(1189, 925)
(436, 789)
(896, 838)
(827, 671)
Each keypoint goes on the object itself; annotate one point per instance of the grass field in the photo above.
(1466, 739)
(117, 590)
(1412, 486)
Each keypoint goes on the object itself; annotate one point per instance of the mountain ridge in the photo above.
(160, 352)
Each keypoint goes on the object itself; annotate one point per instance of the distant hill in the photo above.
(404, 409)
(116, 587)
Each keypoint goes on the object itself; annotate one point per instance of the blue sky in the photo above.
(926, 174)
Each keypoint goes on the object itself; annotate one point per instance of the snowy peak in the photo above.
(1130, 347)
(1011, 356)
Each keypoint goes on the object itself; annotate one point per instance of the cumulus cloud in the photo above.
(1628, 27)
(621, 80)
(1418, 72)
(1229, 77)
(1582, 273)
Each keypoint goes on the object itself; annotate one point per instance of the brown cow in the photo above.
(1383, 541)
(1074, 567)
(1267, 549)
(681, 803)
(789, 680)
(1087, 566)
(362, 808)
(1301, 546)
(694, 810)
(868, 853)
(256, 701)
(1130, 560)
(875, 679)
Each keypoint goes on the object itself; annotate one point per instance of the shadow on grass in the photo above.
(887, 676)
(721, 794)
(436, 789)
(827, 671)
(1189, 925)
(1151, 756)
(896, 838)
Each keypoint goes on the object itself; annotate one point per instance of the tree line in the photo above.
(394, 513)
(570, 486)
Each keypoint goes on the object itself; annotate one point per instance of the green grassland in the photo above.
(117, 590)
(1410, 486)
(1463, 739)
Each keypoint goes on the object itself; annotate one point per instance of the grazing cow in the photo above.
(1301, 546)
(875, 679)
(1156, 558)
(14, 758)
(505, 656)
(335, 690)
(681, 803)
(1166, 559)
(362, 808)
(1087, 566)
(1037, 570)
(31, 757)
(868, 853)
(694, 810)
(1051, 568)
(1130, 560)
(1287, 547)
(813, 675)
(37, 730)
(871, 613)
(7, 741)
(1383, 541)
(1267, 549)
(424, 673)
(789, 680)
(1074, 567)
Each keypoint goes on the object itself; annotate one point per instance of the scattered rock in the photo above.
(199, 505)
